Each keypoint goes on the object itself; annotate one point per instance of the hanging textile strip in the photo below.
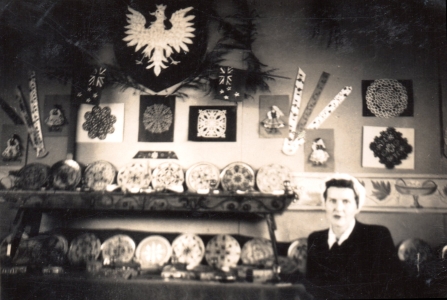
(156, 154)
(290, 143)
(11, 112)
(330, 108)
(35, 115)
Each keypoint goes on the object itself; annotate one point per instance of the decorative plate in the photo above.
(99, 174)
(223, 251)
(153, 251)
(118, 248)
(256, 250)
(188, 249)
(271, 178)
(33, 176)
(201, 176)
(414, 251)
(84, 248)
(166, 175)
(134, 176)
(237, 176)
(298, 252)
(4, 251)
(66, 174)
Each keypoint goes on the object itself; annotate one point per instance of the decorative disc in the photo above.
(166, 175)
(188, 249)
(237, 176)
(202, 176)
(33, 176)
(99, 174)
(298, 252)
(223, 251)
(153, 251)
(66, 175)
(84, 248)
(256, 250)
(118, 248)
(134, 176)
(271, 178)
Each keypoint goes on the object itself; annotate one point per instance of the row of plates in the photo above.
(135, 176)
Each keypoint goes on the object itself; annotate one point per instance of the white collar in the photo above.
(332, 237)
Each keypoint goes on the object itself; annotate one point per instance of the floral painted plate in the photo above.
(256, 250)
(202, 176)
(298, 252)
(99, 174)
(134, 176)
(33, 176)
(118, 248)
(237, 176)
(270, 178)
(153, 251)
(188, 249)
(223, 251)
(167, 175)
(66, 174)
(83, 248)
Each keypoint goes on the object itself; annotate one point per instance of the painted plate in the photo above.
(271, 178)
(237, 176)
(153, 251)
(134, 176)
(118, 248)
(202, 176)
(83, 248)
(66, 174)
(166, 175)
(34, 176)
(298, 252)
(5, 249)
(188, 249)
(223, 251)
(99, 174)
(256, 250)
(414, 251)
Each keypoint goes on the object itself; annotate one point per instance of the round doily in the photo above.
(223, 251)
(188, 249)
(134, 176)
(298, 252)
(166, 175)
(33, 176)
(237, 176)
(271, 178)
(118, 248)
(386, 98)
(256, 250)
(66, 175)
(202, 175)
(153, 251)
(99, 174)
(83, 248)
(99, 122)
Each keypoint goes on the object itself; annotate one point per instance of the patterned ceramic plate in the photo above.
(237, 176)
(223, 251)
(66, 174)
(166, 175)
(298, 252)
(99, 174)
(256, 250)
(5, 249)
(414, 251)
(134, 176)
(188, 249)
(201, 176)
(271, 178)
(153, 251)
(33, 176)
(84, 248)
(118, 248)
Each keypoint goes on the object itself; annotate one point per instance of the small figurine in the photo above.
(319, 155)
(13, 149)
(273, 121)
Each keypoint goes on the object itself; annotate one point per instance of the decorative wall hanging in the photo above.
(388, 147)
(156, 154)
(387, 98)
(13, 145)
(88, 84)
(230, 84)
(273, 123)
(56, 113)
(212, 123)
(157, 116)
(11, 112)
(100, 123)
(319, 151)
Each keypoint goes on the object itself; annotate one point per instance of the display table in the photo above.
(24, 286)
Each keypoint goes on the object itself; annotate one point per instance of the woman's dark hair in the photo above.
(341, 183)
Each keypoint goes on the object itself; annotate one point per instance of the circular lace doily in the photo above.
(386, 98)
(223, 251)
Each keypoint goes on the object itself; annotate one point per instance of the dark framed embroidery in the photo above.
(212, 123)
(56, 115)
(157, 116)
(13, 145)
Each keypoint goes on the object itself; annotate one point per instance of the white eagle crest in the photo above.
(157, 41)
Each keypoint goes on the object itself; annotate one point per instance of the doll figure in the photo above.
(319, 155)
(12, 151)
(273, 121)
(55, 120)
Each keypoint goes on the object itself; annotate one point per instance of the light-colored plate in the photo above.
(99, 174)
(134, 176)
(237, 176)
(153, 251)
(167, 175)
(188, 249)
(223, 251)
(270, 178)
(118, 248)
(202, 176)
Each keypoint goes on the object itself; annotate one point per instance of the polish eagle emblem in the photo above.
(157, 42)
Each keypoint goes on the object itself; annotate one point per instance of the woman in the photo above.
(350, 259)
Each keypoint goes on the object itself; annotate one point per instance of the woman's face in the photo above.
(341, 207)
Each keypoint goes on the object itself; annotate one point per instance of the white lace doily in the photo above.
(386, 98)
